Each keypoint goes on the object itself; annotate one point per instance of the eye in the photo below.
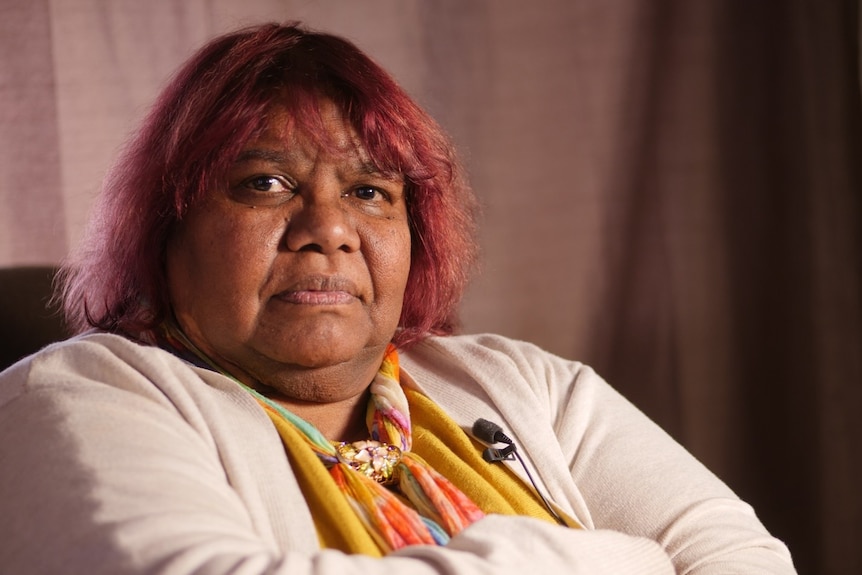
(267, 184)
(367, 193)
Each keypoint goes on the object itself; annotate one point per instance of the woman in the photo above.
(266, 379)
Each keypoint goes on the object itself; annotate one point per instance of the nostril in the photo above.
(323, 229)
(311, 248)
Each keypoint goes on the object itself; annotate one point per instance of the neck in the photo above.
(333, 398)
(342, 420)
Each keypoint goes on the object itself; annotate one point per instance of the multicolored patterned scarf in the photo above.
(397, 496)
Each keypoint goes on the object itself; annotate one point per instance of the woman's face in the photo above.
(297, 268)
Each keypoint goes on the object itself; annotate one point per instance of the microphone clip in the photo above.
(492, 454)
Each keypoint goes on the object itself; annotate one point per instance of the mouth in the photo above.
(320, 290)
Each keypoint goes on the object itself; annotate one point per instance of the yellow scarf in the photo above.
(442, 444)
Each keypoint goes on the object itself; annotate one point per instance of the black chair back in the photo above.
(26, 322)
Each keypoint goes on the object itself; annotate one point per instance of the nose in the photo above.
(321, 225)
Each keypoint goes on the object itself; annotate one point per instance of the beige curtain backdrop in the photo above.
(671, 192)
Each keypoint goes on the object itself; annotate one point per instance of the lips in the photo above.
(320, 290)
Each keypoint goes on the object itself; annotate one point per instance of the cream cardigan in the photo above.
(120, 458)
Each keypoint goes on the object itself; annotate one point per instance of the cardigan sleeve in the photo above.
(636, 478)
(600, 456)
(105, 470)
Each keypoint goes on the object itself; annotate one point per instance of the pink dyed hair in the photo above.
(217, 101)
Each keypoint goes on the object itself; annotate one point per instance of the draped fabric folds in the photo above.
(672, 192)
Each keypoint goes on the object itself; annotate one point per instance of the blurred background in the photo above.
(671, 193)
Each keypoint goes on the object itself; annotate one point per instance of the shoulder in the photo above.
(100, 368)
(92, 354)
(495, 371)
(482, 357)
(490, 350)
(103, 391)
(89, 351)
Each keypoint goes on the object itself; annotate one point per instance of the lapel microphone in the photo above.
(490, 433)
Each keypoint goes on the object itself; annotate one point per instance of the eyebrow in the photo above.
(260, 154)
(364, 166)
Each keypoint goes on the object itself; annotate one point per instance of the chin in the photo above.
(314, 354)
(323, 344)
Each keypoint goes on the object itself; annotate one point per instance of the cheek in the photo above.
(216, 262)
(393, 263)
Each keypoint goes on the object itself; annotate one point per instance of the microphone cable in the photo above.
(490, 433)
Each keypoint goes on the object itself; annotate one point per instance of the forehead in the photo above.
(308, 127)
(323, 128)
